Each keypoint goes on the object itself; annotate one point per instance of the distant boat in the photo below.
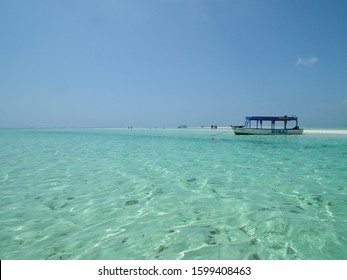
(182, 126)
(258, 129)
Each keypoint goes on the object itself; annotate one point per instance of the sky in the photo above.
(164, 63)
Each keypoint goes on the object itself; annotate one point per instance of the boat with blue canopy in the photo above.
(269, 125)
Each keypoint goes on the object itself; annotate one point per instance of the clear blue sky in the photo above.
(147, 63)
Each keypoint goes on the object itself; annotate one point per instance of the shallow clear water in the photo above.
(171, 194)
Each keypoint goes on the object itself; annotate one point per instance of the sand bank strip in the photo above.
(326, 131)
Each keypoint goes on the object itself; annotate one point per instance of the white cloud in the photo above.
(307, 62)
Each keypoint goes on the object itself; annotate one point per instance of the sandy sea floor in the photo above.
(172, 194)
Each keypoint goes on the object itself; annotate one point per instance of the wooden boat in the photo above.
(272, 129)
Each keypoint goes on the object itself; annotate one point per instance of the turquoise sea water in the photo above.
(171, 194)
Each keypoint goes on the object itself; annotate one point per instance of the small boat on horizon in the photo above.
(258, 129)
(182, 126)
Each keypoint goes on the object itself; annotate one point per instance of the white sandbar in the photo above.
(326, 131)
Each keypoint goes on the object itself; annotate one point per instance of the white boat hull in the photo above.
(265, 131)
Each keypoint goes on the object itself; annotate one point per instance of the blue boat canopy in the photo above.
(273, 119)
